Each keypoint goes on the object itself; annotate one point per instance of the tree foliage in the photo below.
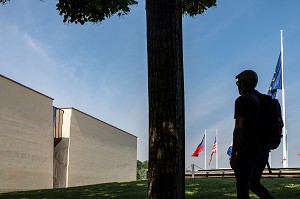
(4, 1)
(95, 11)
(142, 169)
(195, 7)
(82, 11)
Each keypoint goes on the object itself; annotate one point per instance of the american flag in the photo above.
(214, 150)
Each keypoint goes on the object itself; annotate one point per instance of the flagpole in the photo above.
(287, 147)
(205, 150)
(284, 145)
(217, 151)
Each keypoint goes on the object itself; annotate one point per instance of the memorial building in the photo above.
(44, 147)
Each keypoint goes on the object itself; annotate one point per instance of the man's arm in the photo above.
(237, 134)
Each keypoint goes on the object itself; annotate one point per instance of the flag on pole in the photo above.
(199, 148)
(284, 159)
(229, 151)
(214, 150)
(276, 82)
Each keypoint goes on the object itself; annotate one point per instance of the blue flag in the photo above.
(276, 82)
(229, 151)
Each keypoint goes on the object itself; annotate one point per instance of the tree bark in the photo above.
(166, 100)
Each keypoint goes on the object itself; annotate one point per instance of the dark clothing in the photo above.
(248, 174)
(248, 105)
(251, 156)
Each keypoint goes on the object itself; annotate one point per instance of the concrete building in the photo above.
(92, 151)
(26, 138)
(45, 147)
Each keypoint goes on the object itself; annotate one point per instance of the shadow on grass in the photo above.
(134, 190)
(224, 188)
(208, 188)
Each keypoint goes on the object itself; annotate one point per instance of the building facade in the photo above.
(26, 138)
(44, 147)
(92, 151)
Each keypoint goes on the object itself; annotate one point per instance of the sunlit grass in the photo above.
(206, 188)
(292, 186)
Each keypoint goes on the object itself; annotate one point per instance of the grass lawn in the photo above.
(206, 188)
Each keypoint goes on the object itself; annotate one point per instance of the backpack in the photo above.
(272, 122)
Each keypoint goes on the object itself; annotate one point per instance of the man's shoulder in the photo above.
(255, 92)
(242, 99)
(252, 94)
(252, 97)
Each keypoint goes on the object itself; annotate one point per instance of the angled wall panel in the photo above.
(98, 152)
(26, 138)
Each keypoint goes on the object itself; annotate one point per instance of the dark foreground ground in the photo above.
(206, 188)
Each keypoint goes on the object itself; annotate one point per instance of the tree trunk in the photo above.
(166, 100)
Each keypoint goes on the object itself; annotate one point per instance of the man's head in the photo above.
(246, 80)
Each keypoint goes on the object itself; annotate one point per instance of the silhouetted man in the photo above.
(249, 155)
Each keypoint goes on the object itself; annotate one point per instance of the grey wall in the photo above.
(98, 151)
(90, 152)
(26, 138)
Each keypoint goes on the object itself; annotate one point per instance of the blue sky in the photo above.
(101, 69)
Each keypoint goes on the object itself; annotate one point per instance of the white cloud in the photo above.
(33, 44)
